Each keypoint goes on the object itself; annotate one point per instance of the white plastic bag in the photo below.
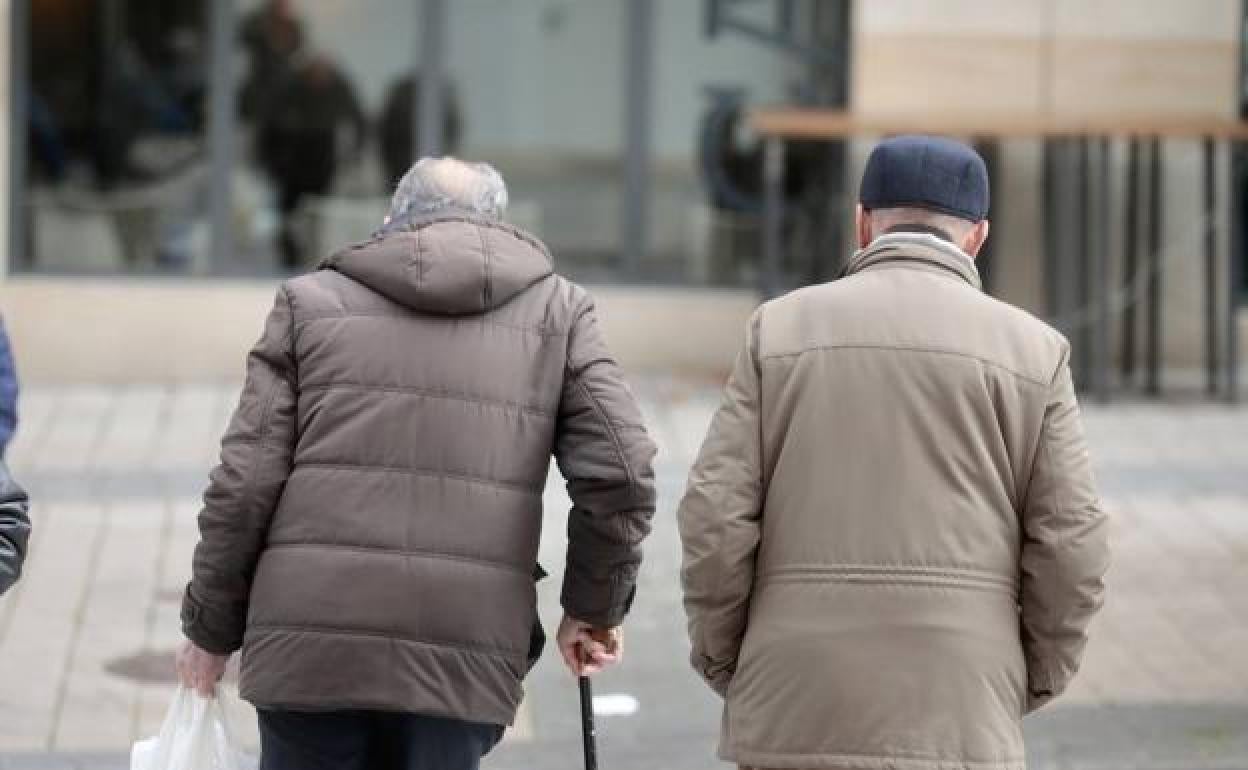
(194, 736)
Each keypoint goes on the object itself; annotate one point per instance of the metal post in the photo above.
(221, 99)
(1211, 268)
(638, 76)
(1084, 272)
(989, 150)
(1100, 256)
(18, 244)
(1153, 263)
(1049, 212)
(430, 101)
(1234, 278)
(773, 217)
(1131, 259)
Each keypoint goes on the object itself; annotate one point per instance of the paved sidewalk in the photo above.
(86, 638)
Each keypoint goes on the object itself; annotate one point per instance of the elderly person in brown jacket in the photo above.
(892, 540)
(370, 537)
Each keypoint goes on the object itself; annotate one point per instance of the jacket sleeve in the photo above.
(720, 523)
(14, 529)
(603, 451)
(1065, 549)
(8, 391)
(243, 490)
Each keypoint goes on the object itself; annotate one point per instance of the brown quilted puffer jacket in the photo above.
(370, 536)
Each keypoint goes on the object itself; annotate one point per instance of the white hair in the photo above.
(884, 219)
(434, 184)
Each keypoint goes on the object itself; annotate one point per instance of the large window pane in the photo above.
(116, 169)
(540, 85)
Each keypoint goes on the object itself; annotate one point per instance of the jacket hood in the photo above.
(451, 264)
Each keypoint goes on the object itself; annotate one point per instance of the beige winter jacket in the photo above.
(892, 540)
(370, 537)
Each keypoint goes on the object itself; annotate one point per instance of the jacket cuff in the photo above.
(608, 616)
(717, 675)
(1042, 686)
(218, 633)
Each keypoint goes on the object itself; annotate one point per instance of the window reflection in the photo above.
(116, 153)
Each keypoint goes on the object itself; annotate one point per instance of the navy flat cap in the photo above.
(927, 172)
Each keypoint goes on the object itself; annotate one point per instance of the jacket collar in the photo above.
(921, 251)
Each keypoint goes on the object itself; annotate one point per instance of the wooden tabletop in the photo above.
(809, 123)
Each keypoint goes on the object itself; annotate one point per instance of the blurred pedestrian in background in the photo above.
(270, 35)
(892, 540)
(8, 391)
(370, 536)
(402, 101)
(309, 122)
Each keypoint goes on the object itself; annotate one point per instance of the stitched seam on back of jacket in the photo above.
(912, 349)
(884, 760)
(1031, 471)
(417, 552)
(1058, 548)
(430, 472)
(487, 289)
(316, 628)
(419, 249)
(432, 393)
(539, 331)
(890, 572)
(933, 581)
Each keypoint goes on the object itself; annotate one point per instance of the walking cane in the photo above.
(587, 724)
(588, 733)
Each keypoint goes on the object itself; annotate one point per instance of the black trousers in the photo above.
(371, 740)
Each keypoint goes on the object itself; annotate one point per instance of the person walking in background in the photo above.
(8, 391)
(14, 528)
(396, 127)
(370, 536)
(301, 131)
(270, 37)
(892, 540)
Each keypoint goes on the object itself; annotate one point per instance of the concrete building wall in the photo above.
(121, 331)
(1106, 57)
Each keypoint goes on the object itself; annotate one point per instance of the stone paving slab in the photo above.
(116, 474)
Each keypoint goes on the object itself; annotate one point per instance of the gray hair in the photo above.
(434, 184)
(886, 218)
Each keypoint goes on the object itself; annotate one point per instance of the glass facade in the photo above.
(120, 163)
(115, 162)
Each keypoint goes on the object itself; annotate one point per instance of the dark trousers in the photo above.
(371, 740)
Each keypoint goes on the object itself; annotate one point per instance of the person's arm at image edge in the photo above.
(14, 529)
(720, 522)
(8, 390)
(1065, 549)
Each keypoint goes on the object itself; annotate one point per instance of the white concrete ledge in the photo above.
(123, 330)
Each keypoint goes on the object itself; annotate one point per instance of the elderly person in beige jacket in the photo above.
(893, 544)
